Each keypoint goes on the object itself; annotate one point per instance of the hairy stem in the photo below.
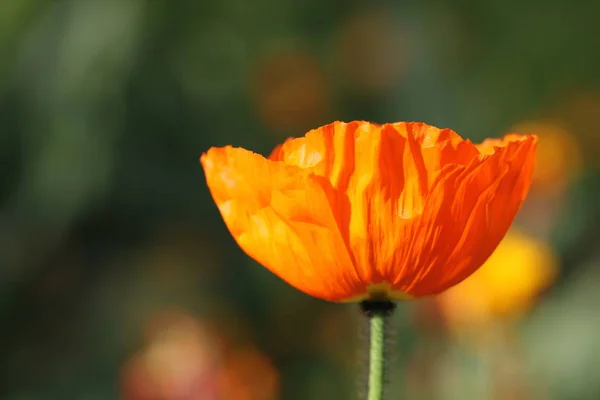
(377, 312)
(376, 357)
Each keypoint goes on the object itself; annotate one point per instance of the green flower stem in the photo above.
(378, 313)
(377, 357)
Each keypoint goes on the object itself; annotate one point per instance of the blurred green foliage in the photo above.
(105, 219)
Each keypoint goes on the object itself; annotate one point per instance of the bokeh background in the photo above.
(118, 278)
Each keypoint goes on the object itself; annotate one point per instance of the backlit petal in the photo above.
(467, 214)
(386, 172)
(282, 217)
(359, 210)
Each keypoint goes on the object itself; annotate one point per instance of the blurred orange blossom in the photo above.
(290, 90)
(248, 375)
(188, 359)
(559, 156)
(359, 211)
(179, 361)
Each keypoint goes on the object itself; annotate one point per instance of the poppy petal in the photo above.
(466, 216)
(386, 172)
(282, 217)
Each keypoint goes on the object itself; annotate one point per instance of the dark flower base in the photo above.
(377, 307)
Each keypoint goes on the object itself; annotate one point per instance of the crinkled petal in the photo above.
(386, 173)
(282, 217)
(405, 208)
(467, 213)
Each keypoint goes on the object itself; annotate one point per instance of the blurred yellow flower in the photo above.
(559, 156)
(505, 286)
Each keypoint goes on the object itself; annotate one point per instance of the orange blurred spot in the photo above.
(248, 375)
(559, 157)
(581, 113)
(290, 91)
(187, 360)
(371, 50)
(179, 361)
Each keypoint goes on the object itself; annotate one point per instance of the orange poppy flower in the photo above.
(359, 211)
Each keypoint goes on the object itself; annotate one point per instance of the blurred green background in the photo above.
(118, 278)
